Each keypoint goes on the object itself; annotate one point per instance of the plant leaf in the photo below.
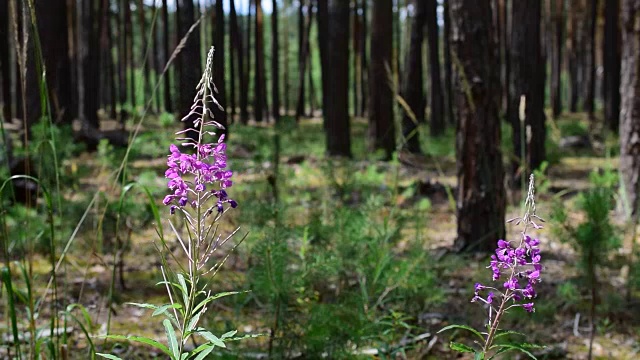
(171, 337)
(229, 334)
(505, 333)
(212, 338)
(463, 327)
(141, 339)
(109, 356)
(205, 352)
(461, 347)
(508, 347)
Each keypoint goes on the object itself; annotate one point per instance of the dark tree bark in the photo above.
(128, 35)
(448, 71)
(168, 103)
(218, 67)
(232, 78)
(190, 70)
(556, 58)
(437, 123)
(357, 70)
(527, 67)
(412, 84)
(259, 88)
(590, 58)
(5, 68)
(630, 103)
(92, 66)
(481, 196)
(275, 63)
(285, 80)
(122, 62)
(573, 51)
(146, 65)
(236, 40)
(611, 63)
(381, 129)
(113, 69)
(337, 126)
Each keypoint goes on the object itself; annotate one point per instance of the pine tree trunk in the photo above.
(590, 59)
(302, 60)
(356, 57)
(572, 54)
(323, 46)
(168, 103)
(128, 23)
(218, 65)
(556, 58)
(232, 78)
(122, 63)
(190, 70)
(337, 128)
(5, 68)
(437, 123)
(448, 71)
(412, 84)
(275, 63)
(285, 80)
(113, 69)
(527, 68)
(611, 64)
(91, 66)
(258, 101)
(364, 66)
(146, 38)
(481, 196)
(381, 129)
(236, 40)
(630, 103)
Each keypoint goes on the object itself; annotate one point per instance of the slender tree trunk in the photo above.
(381, 129)
(448, 77)
(249, 78)
(146, 63)
(572, 55)
(128, 34)
(527, 68)
(258, 101)
(630, 103)
(337, 127)
(302, 59)
(412, 84)
(5, 68)
(437, 123)
(190, 70)
(285, 80)
(92, 65)
(556, 58)
(481, 196)
(275, 63)
(611, 63)
(233, 72)
(323, 45)
(308, 59)
(590, 59)
(236, 40)
(168, 103)
(364, 66)
(113, 69)
(218, 64)
(356, 57)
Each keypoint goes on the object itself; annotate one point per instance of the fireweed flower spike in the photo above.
(198, 180)
(516, 269)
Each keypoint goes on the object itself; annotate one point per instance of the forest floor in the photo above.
(307, 180)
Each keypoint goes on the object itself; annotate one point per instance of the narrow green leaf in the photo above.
(478, 356)
(510, 332)
(508, 347)
(204, 353)
(163, 308)
(144, 306)
(109, 356)
(214, 297)
(193, 322)
(229, 334)
(171, 337)
(212, 338)
(184, 289)
(463, 327)
(461, 347)
(141, 339)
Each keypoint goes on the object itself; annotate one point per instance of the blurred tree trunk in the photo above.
(128, 34)
(364, 66)
(275, 63)
(248, 50)
(122, 62)
(590, 58)
(218, 67)
(448, 71)
(232, 78)
(91, 65)
(611, 63)
(285, 80)
(303, 25)
(357, 70)
(437, 123)
(556, 58)
(412, 84)
(259, 88)
(573, 52)
(396, 41)
(381, 129)
(323, 46)
(146, 39)
(113, 68)
(630, 104)
(236, 40)
(337, 128)
(308, 60)
(168, 103)
(189, 62)
(481, 196)
(527, 67)
(5, 68)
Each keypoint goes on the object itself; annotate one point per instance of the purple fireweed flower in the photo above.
(190, 174)
(521, 265)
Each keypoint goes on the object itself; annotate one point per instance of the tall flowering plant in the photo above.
(516, 268)
(198, 180)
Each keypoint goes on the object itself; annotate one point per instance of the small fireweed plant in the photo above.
(515, 264)
(198, 179)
